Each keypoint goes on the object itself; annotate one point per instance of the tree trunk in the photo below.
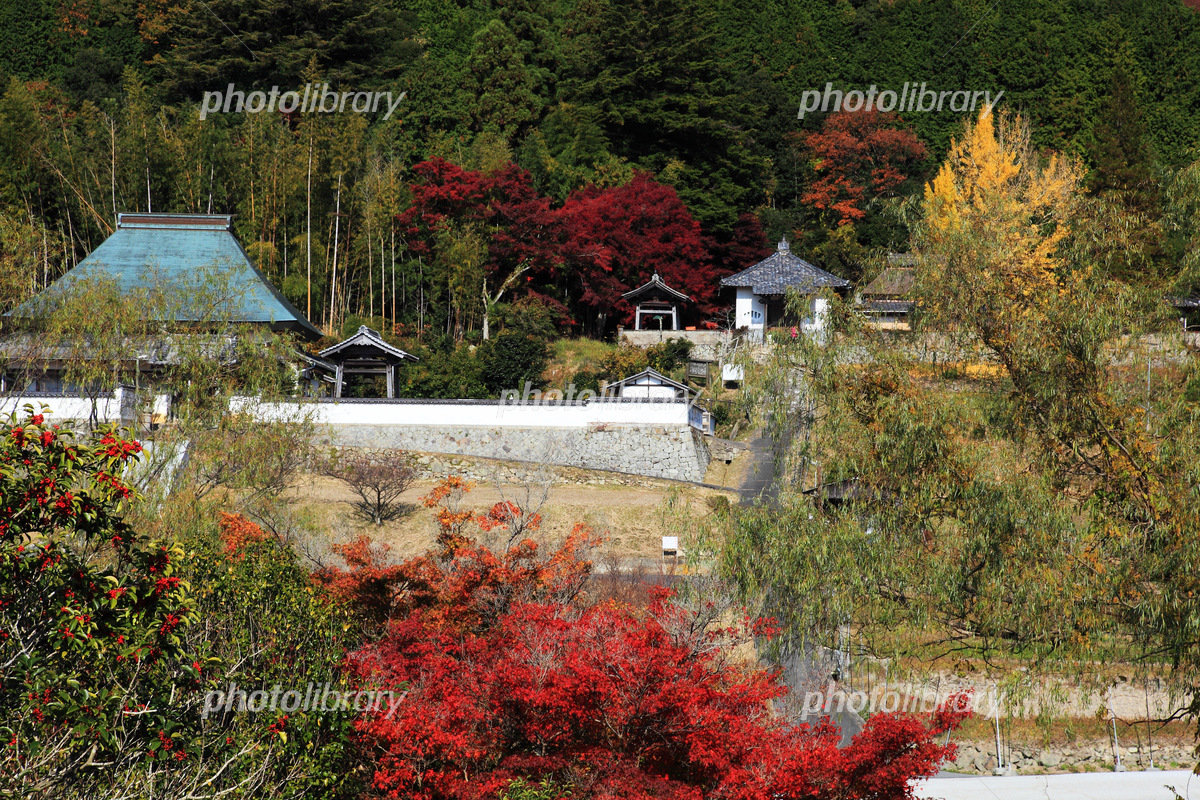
(308, 234)
(337, 223)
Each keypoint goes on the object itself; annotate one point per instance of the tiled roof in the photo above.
(1191, 301)
(362, 342)
(783, 271)
(171, 248)
(888, 306)
(655, 283)
(651, 377)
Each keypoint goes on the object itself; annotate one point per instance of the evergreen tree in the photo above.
(651, 69)
(260, 43)
(501, 88)
(1119, 151)
(1122, 185)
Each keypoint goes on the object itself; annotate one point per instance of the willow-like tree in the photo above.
(1033, 497)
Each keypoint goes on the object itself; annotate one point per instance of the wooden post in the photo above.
(391, 381)
(337, 392)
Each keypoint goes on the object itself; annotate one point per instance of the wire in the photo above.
(968, 33)
(234, 35)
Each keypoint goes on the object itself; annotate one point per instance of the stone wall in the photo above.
(489, 470)
(980, 757)
(675, 452)
(706, 345)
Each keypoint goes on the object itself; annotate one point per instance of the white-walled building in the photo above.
(650, 384)
(762, 290)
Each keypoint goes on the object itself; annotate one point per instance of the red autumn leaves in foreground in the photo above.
(511, 676)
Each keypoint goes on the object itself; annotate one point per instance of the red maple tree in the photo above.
(602, 241)
(859, 156)
(511, 677)
(522, 227)
(617, 238)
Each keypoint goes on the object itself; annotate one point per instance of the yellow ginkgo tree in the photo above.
(995, 217)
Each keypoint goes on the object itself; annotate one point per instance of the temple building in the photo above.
(656, 305)
(188, 268)
(888, 300)
(762, 289)
(365, 355)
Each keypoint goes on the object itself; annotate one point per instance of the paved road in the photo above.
(759, 481)
(1083, 786)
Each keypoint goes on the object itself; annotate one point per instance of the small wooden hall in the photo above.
(657, 302)
(364, 353)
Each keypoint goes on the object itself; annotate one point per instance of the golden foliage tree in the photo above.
(996, 215)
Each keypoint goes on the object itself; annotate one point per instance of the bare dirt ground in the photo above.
(633, 520)
(734, 474)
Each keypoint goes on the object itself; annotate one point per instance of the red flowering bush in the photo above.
(89, 612)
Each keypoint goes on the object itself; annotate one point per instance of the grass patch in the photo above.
(571, 355)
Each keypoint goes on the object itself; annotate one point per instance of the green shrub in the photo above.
(668, 356)
(444, 375)
(722, 414)
(511, 360)
(586, 380)
(1191, 392)
(531, 316)
(623, 362)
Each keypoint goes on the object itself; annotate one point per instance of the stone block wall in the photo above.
(706, 345)
(675, 452)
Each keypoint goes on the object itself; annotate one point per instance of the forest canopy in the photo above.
(554, 112)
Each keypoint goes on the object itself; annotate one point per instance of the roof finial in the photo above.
(783, 245)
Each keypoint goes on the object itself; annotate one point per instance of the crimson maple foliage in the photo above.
(747, 246)
(461, 583)
(605, 702)
(613, 239)
(617, 238)
(509, 676)
(521, 225)
(860, 156)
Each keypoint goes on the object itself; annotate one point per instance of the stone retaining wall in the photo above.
(980, 757)
(490, 470)
(673, 452)
(706, 345)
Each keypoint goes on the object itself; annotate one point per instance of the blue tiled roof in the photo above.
(175, 249)
(782, 271)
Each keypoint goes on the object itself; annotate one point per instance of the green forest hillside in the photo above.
(552, 109)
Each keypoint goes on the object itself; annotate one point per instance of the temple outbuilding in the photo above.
(657, 302)
(364, 353)
(762, 290)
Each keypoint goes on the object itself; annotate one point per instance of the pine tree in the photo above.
(1119, 150)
